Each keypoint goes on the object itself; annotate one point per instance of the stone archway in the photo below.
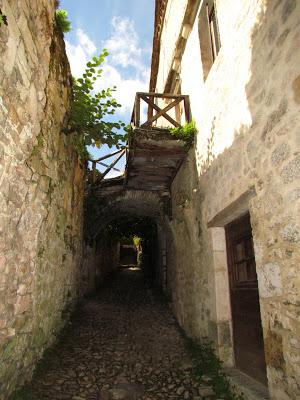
(108, 205)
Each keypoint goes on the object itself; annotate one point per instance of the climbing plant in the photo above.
(207, 365)
(90, 110)
(62, 20)
(3, 18)
(186, 132)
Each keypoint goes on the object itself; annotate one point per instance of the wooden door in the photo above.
(246, 319)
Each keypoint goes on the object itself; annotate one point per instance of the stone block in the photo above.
(269, 280)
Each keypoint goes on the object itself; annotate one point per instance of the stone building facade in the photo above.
(41, 190)
(239, 63)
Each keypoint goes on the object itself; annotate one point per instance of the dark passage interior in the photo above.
(136, 241)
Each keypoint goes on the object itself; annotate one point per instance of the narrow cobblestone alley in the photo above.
(122, 343)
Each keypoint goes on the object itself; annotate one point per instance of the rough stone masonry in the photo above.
(41, 185)
(246, 158)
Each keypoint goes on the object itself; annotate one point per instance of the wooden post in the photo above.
(94, 172)
(137, 111)
(112, 165)
(187, 109)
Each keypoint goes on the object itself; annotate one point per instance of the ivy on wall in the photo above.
(3, 18)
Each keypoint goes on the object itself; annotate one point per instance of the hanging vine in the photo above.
(90, 110)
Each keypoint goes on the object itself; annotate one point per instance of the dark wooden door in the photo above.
(246, 319)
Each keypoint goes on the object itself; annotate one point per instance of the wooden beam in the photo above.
(187, 109)
(111, 165)
(161, 95)
(167, 117)
(107, 156)
(107, 166)
(137, 110)
(163, 112)
(94, 172)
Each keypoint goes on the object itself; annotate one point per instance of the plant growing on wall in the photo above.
(186, 132)
(62, 20)
(90, 110)
(3, 18)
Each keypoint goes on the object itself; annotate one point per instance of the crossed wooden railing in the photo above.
(95, 175)
(180, 106)
(151, 99)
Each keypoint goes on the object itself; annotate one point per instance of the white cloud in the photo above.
(86, 42)
(126, 88)
(124, 51)
(80, 53)
(123, 45)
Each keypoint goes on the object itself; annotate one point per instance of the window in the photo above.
(213, 30)
(208, 36)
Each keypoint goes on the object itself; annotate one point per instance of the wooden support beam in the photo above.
(111, 165)
(107, 166)
(187, 109)
(94, 172)
(107, 156)
(163, 112)
(137, 111)
(158, 109)
(161, 95)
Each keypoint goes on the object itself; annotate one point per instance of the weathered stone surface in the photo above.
(122, 344)
(41, 186)
(247, 115)
(270, 280)
(296, 89)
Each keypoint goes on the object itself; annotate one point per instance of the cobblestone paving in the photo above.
(121, 344)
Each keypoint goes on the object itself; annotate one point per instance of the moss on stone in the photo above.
(40, 143)
(10, 347)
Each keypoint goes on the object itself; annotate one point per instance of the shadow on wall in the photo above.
(264, 155)
(273, 101)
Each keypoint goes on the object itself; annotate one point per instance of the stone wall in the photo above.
(246, 158)
(100, 260)
(41, 187)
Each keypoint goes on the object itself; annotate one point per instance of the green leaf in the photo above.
(62, 20)
(90, 110)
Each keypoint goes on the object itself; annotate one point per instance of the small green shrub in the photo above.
(3, 19)
(186, 132)
(62, 20)
(206, 363)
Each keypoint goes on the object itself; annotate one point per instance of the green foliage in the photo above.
(129, 132)
(90, 109)
(3, 19)
(22, 394)
(136, 240)
(186, 132)
(130, 227)
(206, 363)
(80, 146)
(62, 20)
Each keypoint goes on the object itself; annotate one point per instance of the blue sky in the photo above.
(125, 29)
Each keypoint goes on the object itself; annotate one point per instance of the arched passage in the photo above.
(113, 214)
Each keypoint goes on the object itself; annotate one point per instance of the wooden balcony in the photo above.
(177, 104)
(154, 155)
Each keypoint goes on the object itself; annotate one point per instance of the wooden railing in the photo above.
(95, 176)
(179, 104)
